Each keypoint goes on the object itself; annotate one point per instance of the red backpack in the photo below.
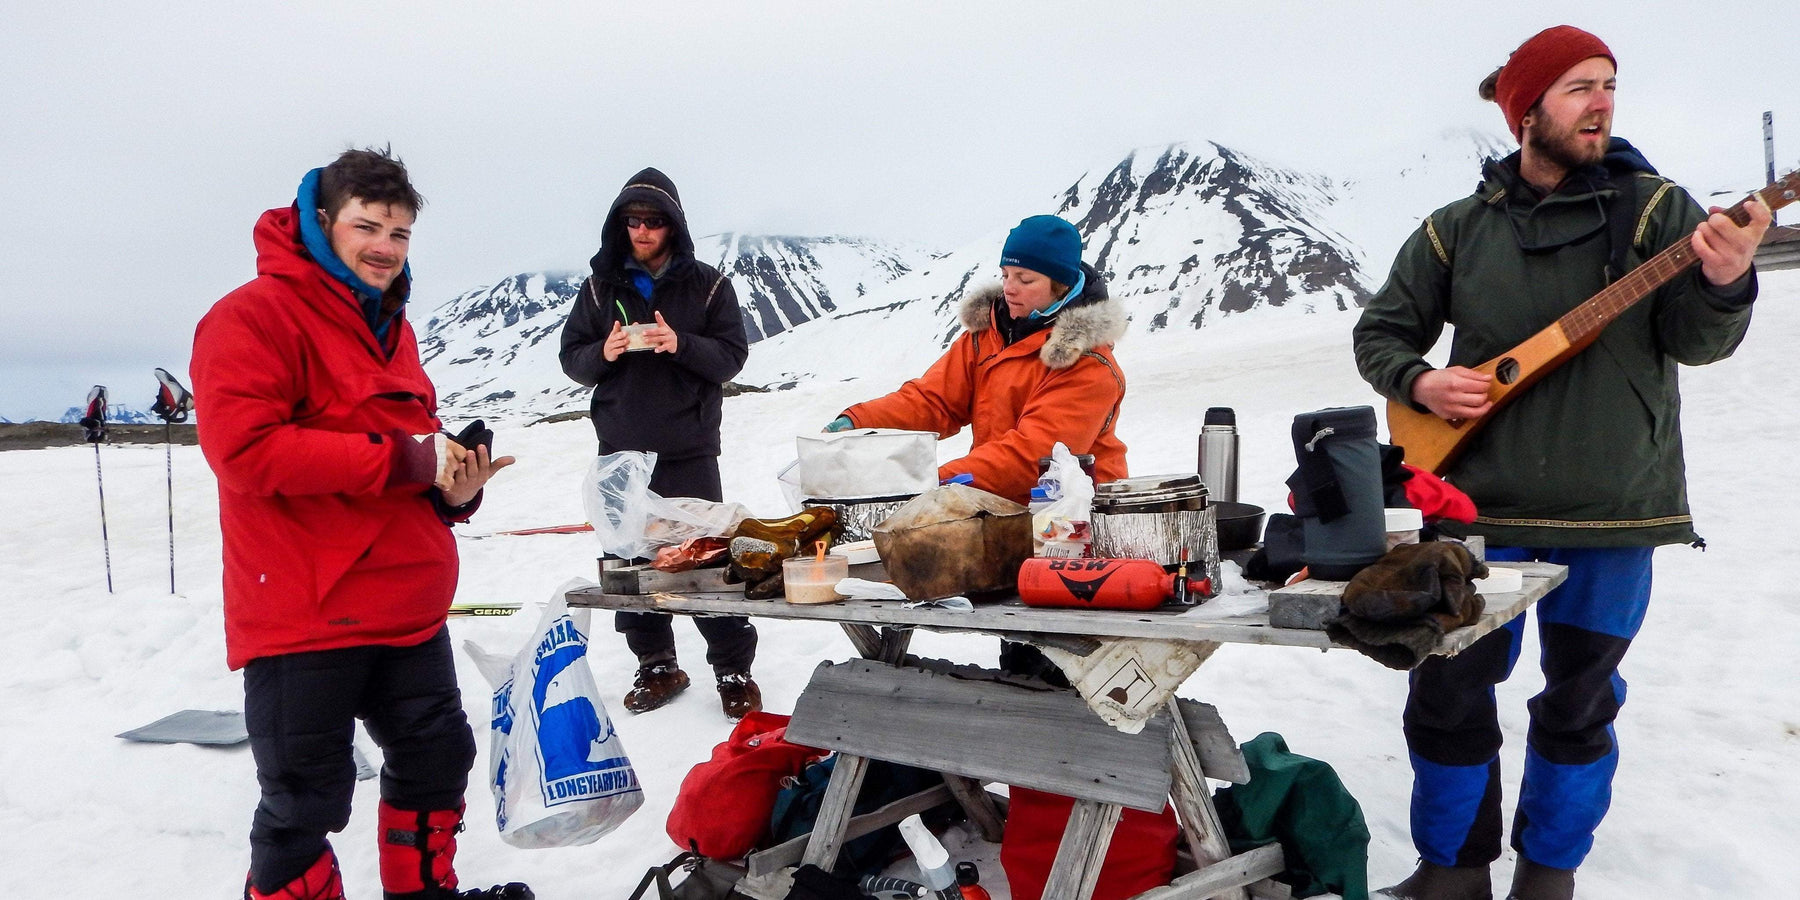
(723, 808)
(1140, 857)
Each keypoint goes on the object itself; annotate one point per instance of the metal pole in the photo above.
(1769, 149)
(169, 470)
(105, 543)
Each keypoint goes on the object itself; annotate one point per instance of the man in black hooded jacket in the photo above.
(657, 333)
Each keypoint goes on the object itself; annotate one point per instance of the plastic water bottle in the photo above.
(933, 860)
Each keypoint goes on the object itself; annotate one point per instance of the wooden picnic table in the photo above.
(897, 708)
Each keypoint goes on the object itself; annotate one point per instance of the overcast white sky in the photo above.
(142, 140)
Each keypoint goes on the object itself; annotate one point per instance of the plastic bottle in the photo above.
(1135, 584)
(933, 860)
(968, 880)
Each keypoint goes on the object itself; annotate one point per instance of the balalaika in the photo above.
(1433, 443)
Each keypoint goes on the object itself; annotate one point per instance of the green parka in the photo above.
(1591, 455)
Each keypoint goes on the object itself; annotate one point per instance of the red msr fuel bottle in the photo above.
(968, 879)
(1134, 584)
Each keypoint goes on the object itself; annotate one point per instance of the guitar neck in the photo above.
(1583, 324)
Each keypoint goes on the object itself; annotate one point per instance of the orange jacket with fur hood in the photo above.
(1057, 384)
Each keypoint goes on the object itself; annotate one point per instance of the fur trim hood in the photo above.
(1091, 320)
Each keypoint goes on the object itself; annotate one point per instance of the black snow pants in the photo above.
(301, 708)
(730, 640)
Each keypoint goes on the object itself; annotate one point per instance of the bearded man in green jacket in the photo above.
(1584, 469)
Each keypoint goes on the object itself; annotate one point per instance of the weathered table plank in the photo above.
(1047, 740)
(1012, 617)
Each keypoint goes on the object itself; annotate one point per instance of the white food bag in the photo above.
(867, 462)
(558, 769)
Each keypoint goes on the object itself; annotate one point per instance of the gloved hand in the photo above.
(841, 423)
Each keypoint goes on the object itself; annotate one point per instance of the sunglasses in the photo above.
(654, 223)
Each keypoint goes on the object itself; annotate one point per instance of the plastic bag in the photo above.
(1061, 528)
(632, 521)
(558, 770)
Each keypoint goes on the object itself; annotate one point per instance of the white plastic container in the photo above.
(1403, 524)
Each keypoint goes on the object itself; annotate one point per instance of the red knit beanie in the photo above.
(1537, 64)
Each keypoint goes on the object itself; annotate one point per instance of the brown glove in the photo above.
(1417, 580)
(1397, 610)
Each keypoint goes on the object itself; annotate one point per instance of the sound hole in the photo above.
(1508, 371)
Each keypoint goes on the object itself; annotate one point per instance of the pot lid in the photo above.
(1150, 485)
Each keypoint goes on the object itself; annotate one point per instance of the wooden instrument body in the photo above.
(1433, 443)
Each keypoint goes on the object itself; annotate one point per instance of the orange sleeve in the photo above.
(1073, 405)
(940, 401)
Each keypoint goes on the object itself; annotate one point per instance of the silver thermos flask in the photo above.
(1219, 454)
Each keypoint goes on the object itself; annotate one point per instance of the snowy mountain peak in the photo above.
(1184, 234)
(1217, 231)
(783, 280)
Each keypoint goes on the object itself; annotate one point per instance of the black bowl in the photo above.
(1240, 525)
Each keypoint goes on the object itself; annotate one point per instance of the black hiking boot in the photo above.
(1532, 881)
(738, 695)
(1434, 882)
(655, 687)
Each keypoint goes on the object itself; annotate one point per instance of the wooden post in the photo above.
(1193, 802)
(894, 642)
(1083, 848)
(834, 811)
(865, 638)
(979, 806)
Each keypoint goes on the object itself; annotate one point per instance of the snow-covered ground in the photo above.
(1707, 801)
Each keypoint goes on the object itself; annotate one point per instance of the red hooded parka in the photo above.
(297, 407)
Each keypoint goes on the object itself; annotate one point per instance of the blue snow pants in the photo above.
(1453, 735)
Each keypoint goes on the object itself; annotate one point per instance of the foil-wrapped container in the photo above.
(860, 516)
(1155, 519)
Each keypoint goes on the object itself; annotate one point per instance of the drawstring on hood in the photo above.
(312, 237)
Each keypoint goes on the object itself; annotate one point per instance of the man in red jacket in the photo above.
(336, 491)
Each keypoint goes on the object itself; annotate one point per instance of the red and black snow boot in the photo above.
(418, 855)
(319, 882)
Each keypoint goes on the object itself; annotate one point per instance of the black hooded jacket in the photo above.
(644, 400)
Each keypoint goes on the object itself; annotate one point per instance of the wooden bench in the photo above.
(919, 715)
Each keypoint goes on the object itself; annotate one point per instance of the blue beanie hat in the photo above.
(1045, 244)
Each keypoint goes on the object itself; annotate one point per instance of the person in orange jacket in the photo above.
(1033, 366)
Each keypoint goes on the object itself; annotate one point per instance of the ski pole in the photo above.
(169, 472)
(105, 543)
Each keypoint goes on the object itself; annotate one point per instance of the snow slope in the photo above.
(1706, 805)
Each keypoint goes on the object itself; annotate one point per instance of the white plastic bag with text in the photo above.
(558, 770)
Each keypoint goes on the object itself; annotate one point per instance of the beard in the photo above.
(1565, 147)
(649, 254)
